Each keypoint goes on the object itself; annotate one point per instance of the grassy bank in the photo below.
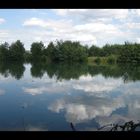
(103, 60)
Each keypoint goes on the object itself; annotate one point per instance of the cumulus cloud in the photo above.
(43, 89)
(87, 33)
(78, 112)
(138, 40)
(35, 22)
(98, 86)
(49, 23)
(89, 85)
(80, 109)
(89, 26)
(95, 27)
(55, 29)
(4, 35)
(132, 25)
(34, 91)
(2, 20)
(93, 13)
(103, 103)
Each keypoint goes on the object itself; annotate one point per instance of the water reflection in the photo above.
(74, 71)
(15, 69)
(60, 71)
(116, 71)
(86, 108)
(81, 109)
(52, 96)
(67, 71)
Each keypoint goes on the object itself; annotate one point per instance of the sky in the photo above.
(89, 26)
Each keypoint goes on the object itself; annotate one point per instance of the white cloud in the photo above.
(89, 26)
(138, 40)
(94, 26)
(93, 13)
(135, 12)
(87, 33)
(4, 35)
(77, 112)
(55, 30)
(34, 91)
(132, 25)
(89, 85)
(2, 20)
(92, 86)
(35, 22)
(49, 23)
(40, 90)
(83, 108)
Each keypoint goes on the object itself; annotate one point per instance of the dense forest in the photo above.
(69, 51)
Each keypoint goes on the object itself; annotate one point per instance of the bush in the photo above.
(111, 59)
(97, 60)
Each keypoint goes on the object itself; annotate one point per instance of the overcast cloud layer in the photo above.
(89, 26)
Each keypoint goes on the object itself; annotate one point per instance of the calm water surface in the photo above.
(49, 97)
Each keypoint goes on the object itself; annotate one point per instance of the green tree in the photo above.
(27, 56)
(37, 50)
(51, 52)
(130, 53)
(16, 51)
(71, 51)
(94, 51)
(4, 51)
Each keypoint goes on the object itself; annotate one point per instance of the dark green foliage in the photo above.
(97, 60)
(69, 71)
(37, 69)
(59, 70)
(69, 51)
(15, 69)
(117, 70)
(130, 53)
(75, 70)
(16, 51)
(106, 50)
(37, 49)
(4, 51)
(66, 51)
(111, 59)
(51, 52)
(27, 56)
(94, 51)
(127, 52)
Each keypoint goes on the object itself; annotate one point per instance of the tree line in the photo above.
(127, 52)
(69, 51)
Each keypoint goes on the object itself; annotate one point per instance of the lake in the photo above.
(49, 97)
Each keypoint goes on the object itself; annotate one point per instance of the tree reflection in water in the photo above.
(67, 71)
(15, 69)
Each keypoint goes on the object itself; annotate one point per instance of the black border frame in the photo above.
(43, 4)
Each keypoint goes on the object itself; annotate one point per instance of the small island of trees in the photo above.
(70, 51)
